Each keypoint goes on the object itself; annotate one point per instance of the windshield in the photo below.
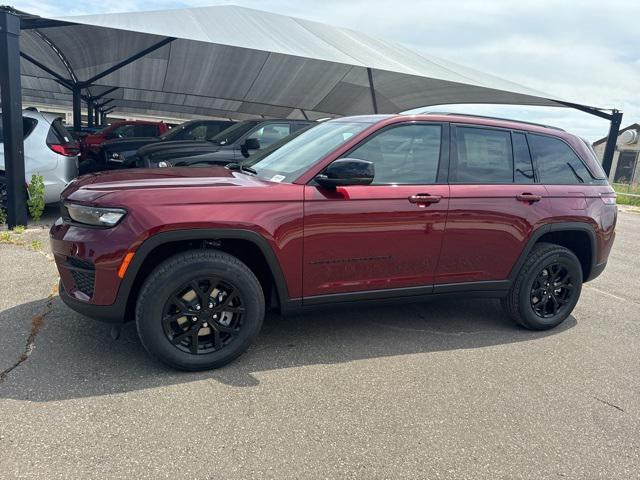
(233, 133)
(260, 154)
(289, 161)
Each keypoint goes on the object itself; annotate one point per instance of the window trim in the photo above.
(443, 161)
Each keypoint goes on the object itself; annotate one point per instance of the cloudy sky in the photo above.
(582, 50)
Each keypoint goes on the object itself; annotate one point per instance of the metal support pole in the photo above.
(77, 109)
(610, 148)
(96, 115)
(374, 101)
(11, 91)
(90, 112)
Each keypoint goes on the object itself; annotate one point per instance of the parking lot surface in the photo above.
(444, 389)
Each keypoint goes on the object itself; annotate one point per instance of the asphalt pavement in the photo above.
(445, 389)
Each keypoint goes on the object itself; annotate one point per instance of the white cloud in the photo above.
(583, 50)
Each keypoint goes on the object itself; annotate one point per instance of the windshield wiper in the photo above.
(241, 168)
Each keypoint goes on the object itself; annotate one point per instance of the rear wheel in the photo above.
(546, 289)
(199, 310)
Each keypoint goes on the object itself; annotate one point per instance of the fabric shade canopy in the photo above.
(239, 63)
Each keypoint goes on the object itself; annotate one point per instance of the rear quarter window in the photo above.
(556, 162)
(28, 124)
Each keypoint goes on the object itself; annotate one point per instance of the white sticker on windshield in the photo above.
(277, 178)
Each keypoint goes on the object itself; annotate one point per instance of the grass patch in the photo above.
(627, 199)
(19, 229)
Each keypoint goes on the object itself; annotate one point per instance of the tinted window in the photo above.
(557, 163)
(407, 155)
(522, 166)
(28, 124)
(271, 133)
(484, 156)
(145, 131)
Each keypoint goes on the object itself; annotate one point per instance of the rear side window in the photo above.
(404, 155)
(556, 162)
(522, 166)
(483, 156)
(28, 124)
(58, 134)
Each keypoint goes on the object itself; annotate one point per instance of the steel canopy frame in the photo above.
(11, 23)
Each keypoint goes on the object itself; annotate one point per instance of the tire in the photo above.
(170, 336)
(530, 302)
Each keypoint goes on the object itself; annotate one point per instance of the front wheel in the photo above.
(199, 310)
(547, 288)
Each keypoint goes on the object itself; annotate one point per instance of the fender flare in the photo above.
(154, 241)
(557, 227)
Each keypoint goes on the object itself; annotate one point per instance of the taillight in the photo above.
(68, 150)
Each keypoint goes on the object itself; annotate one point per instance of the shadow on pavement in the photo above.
(75, 357)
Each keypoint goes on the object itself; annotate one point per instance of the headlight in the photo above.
(164, 163)
(97, 216)
(116, 156)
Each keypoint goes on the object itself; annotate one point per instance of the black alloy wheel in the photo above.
(546, 289)
(551, 291)
(203, 315)
(199, 309)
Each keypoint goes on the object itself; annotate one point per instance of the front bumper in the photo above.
(105, 313)
(88, 260)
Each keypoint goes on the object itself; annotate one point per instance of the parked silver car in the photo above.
(49, 150)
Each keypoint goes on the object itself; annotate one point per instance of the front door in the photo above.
(386, 235)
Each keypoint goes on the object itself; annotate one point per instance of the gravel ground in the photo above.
(445, 389)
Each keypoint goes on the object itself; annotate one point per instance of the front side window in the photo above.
(403, 155)
(288, 162)
(484, 156)
(556, 162)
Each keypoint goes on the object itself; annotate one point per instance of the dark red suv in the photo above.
(354, 209)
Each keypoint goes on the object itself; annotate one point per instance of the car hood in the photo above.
(178, 145)
(92, 186)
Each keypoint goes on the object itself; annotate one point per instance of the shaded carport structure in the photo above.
(224, 61)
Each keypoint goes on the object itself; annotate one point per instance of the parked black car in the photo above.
(121, 153)
(232, 145)
(223, 157)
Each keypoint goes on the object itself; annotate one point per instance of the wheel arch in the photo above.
(249, 246)
(567, 234)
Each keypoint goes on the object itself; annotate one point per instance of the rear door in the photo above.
(386, 235)
(494, 206)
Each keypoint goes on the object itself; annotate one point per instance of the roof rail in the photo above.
(493, 118)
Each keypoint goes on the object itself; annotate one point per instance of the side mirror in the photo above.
(249, 144)
(347, 171)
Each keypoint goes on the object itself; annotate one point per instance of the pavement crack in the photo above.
(610, 404)
(37, 322)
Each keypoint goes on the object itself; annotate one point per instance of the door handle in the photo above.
(528, 197)
(424, 198)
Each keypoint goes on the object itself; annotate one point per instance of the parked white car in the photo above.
(49, 150)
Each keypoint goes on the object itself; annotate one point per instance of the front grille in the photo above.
(83, 273)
